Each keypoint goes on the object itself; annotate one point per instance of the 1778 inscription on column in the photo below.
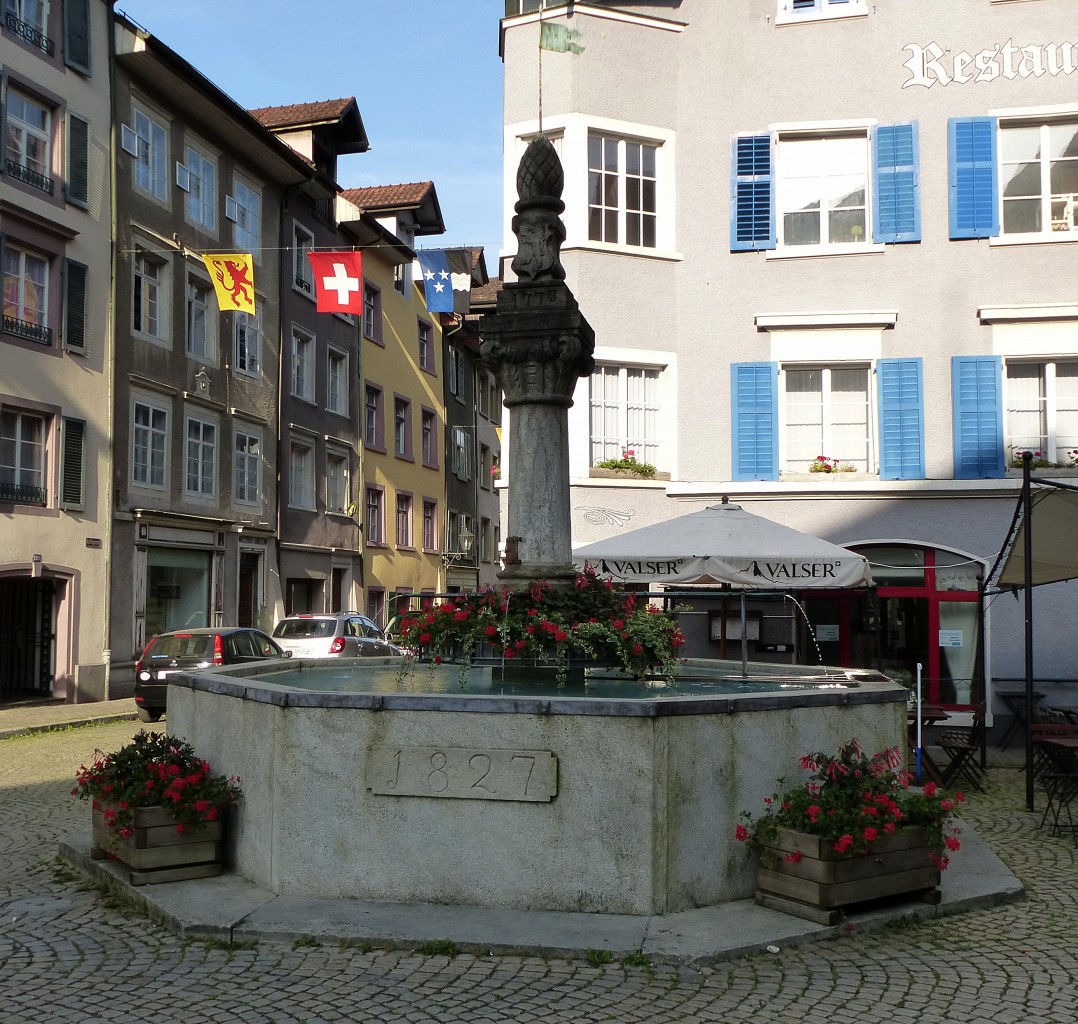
(463, 773)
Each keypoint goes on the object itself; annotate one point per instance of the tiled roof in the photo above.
(302, 113)
(486, 293)
(388, 197)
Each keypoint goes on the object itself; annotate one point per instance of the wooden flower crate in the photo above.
(823, 884)
(156, 852)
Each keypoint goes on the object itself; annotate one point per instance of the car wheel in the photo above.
(149, 716)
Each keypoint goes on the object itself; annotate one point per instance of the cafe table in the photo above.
(1016, 705)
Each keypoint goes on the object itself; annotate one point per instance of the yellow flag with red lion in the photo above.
(233, 278)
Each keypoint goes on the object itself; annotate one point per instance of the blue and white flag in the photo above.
(447, 279)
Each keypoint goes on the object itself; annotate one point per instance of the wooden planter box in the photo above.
(823, 883)
(156, 852)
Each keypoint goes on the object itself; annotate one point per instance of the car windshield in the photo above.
(293, 628)
(182, 646)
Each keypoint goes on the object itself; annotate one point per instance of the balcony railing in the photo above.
(23, 494)
(24, 30)
(27, 330)
(303, 284)
(29, 176)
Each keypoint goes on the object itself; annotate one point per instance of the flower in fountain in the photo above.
(855, 801)
(590, 620)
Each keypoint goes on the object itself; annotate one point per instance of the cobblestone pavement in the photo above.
(70, 954)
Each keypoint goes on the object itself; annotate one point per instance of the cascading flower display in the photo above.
(856, 800)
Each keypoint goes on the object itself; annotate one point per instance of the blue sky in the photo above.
(426, 74)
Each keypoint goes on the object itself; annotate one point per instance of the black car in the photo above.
(189, 649)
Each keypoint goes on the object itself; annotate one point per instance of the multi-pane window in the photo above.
(302, 243)
(201, 189)
(149, 436)
(372, 417)
(453, 371)
(34, 15)
(430, 525)
(826, 411)
(1039, 178)
(822, 190)
(302, 365)
(462, 454)
(337, 382)
(402, 427)
(1041, 401)
(201, 457)
(337, 496)
(374, 518)
(426, 346)
(246, 206)
(622, 191)
(26, 294)
(247, 461)
(495, 402)
(248, 336)
(151, 155)
(22, 457)
(807, 10)
(624, 405)
(485, 539)
(404, 520)
(372, 313)
(482, 395)
(300, 475)
(430, 438)
(147, 296)
(27, 140)
(199, 320)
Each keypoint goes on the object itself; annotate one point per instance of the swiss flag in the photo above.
(338, 281)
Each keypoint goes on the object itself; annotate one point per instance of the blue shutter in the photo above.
(976, 383)
(752, 218)
(901, 412)
(896, 185)
(973, 177)
(755, 408)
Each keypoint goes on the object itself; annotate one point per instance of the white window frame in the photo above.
(338, 481)
(200, 204)
(17, 7)
(1044, 121)
(159, 286)
(337, 381)
(23, 131)
(1052, 442)
(151, 160)
(430, 524)
(247, 229)
(200, 452)
(374, 514)
(425, 346)
(152, 429)
(301, 474)
(829, 446)
(247, 465)
(822, 10)
(569, 134)
(200, 306)
(372, 313)
(403, 516)
(26, 282)
(29, 466)
(625, 182)
(645, 444)
(787, 136)
(303, 365)
(302, 274)
(247, 335)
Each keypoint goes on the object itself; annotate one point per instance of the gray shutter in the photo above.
(75, 275)
(78, 161)
(77, 35)
(72, 460)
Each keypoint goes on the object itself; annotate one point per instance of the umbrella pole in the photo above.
(744, 640)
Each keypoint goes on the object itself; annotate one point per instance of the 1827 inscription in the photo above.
(463, 773)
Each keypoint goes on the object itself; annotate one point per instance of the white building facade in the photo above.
(826, 247)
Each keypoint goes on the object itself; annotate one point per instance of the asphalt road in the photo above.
(70, 954)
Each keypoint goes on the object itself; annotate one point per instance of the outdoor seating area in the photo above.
(1055, 766)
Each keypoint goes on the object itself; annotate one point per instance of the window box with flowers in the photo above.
(626, 466)
(560, 628)
(1041, 465)
(157, 809)
(853, 832)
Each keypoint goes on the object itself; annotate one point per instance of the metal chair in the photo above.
(962, 745)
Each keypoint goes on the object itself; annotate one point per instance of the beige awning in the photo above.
(1055, 541)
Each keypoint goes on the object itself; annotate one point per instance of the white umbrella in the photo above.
(725, 544)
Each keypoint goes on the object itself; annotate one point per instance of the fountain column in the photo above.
(538, 344)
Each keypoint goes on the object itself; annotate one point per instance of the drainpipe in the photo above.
(1027, 554)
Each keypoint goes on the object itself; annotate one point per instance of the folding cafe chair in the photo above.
(962, 745)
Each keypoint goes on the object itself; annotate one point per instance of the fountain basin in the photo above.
(503, 798)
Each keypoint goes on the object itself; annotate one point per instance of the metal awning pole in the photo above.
(1027, 554)
(744, 640)
(919, 721)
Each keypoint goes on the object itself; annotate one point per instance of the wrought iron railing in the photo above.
(303, 283)
(24, 30)
(23, 494)
(29, 176)
(25, 329)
